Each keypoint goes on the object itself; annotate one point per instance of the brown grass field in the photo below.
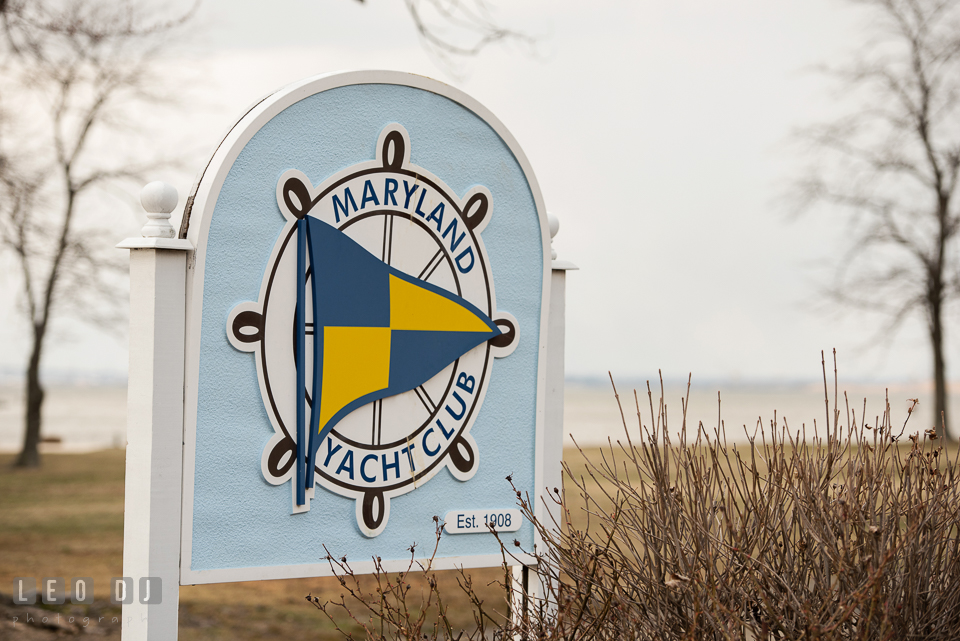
(65, 519)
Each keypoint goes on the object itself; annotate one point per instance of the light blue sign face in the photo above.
(365, 347)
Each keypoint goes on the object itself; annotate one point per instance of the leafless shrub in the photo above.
(386, 606)
(853, 535)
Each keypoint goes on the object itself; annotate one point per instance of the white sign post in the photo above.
(361, 303)
(151, 511)
(550, 513)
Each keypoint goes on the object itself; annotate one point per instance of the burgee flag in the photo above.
(377, 332)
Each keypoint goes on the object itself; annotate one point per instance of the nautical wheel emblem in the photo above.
(374, 332)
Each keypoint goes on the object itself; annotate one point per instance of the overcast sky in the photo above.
(659, 132)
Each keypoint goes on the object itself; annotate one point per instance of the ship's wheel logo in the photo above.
(374, 332)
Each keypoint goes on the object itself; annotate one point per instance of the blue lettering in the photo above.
(454, 243)
(468, 252)
(438, 218)
(423, 194)
(389, 190)
(330, 452)
(363, 465)
(395, 465)
(460, 519)
(346, 464)
(446, 434)
(409, 192)
(466, 383)
(408, 450)
(342, 206)
(368, 195)
(426, 448)
(463, 408)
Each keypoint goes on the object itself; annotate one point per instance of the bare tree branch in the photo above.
(451, 30)
(891, 166)
(78, 64)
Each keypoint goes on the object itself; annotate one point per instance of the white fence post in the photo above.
(556, 368)
(151, 520)
(534, 591)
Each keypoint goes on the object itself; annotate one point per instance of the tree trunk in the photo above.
(30, 454)
(941, 424)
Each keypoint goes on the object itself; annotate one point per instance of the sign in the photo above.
(407, 335)
(366, 312)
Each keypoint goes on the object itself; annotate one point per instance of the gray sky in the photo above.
(658, 132)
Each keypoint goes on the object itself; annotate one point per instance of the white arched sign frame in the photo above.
(195, 227)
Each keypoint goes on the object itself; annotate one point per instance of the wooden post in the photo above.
(151, 520)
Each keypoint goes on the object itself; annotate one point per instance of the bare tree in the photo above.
(891, 167)
(72, 71)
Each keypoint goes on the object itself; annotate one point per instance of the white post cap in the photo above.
(159, 200)
(564, 265)
(554, 228)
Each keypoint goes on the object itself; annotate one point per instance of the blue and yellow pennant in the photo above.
(377, 332)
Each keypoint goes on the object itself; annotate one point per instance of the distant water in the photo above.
(85, 418)
(93, 417)
(591, 413)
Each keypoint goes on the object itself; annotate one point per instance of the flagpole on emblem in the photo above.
(301, 358)
(317, 360)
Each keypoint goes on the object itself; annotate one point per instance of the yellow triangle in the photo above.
(415, 308)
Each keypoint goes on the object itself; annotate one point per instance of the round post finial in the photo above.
(159, 200)
(554, 228)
